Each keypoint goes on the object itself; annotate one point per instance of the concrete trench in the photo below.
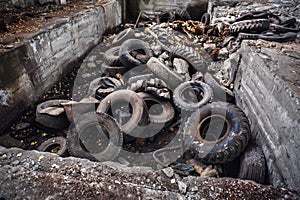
(262, 87)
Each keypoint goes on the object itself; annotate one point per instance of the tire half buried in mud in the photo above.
(222, 132)
(95, 136)
(57, 145)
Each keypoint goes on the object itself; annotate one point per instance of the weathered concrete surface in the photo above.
(37, 175)
(31, 68)
(151, 7)
(268, 90)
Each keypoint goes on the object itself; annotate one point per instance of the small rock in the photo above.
(157, 50)
(87, 75)
(41, 158)
(14, 169)
(209, 172)
(91, 65)
(182, 187)
(22, 126)
(198, 169)
(83, 170)
(54, 111)
(181, 66)
(35, 167)
(194, 189)
(16, 162)
(173, 181)
(164, 56)
(19, 155)
(209, 46)
(9, 46)
(169, 172)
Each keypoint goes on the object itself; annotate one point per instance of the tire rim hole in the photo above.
(94, 138)
(53, 148)
(193, 94)
(213, 128)
(154, 108)
(121, 111)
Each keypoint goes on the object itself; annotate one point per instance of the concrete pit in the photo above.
(65, 51)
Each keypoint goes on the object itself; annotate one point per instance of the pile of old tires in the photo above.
(143, 84)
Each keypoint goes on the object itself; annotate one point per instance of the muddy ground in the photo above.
(18, 23)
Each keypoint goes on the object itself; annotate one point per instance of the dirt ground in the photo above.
(16, 24)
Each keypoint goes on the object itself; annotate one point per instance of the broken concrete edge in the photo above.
(44, 57)
(270, 103)
(35, 174)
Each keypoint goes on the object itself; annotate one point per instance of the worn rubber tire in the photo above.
(248, 26)
(139, 114)
(111, 56)
(113, 70)
(110, 85)
(130, 45)
(182, 14)
(60, 142)
(167, 113)
(102, 86)
(186, 105)
(123, 36)
(219, 92)
(59, 122)
(253, 165)
(286, 37)
(110, 152)
(205, 19)
(226, 145)
(190, 55)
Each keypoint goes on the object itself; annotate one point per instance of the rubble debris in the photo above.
(170, 60)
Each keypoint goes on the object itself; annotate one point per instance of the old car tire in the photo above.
(101, 87)
(139, 115)
(286, 37)
(86, 128)
(167, 110)
(182, 14)
(130, 45)
(253, 165)
(202, 93)
(57, 145)
(111, 56)
(54, 122)
(189, 54)
(123, 36)
(226, 139)
(205, 19)
(113, 70)
(249, 26)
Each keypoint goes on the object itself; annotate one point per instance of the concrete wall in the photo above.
(267, 89)
(30, 69)
(153, 7)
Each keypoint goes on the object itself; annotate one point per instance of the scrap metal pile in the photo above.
(149, 96)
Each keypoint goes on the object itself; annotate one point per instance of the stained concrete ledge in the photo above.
(40, 175)
(268, 90)
(31, 68)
